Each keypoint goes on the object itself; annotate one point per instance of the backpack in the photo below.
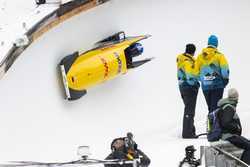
(214, 131)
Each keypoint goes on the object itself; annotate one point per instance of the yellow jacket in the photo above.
(186, 71)
(212, 67)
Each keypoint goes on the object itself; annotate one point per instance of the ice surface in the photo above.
(37, 124)
(5, 43)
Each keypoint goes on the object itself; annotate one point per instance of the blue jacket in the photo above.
(212, 68)
(187, 76)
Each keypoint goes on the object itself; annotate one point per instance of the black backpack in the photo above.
(214, 131)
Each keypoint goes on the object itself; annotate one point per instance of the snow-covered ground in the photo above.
(36, 123)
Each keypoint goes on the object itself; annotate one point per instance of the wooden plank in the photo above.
(43, 26)
(58, 20)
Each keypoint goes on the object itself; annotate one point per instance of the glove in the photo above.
(225, 81)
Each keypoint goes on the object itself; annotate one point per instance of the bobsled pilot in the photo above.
(125, 148)
(134, 50)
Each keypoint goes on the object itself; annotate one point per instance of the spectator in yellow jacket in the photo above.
(188, 86)
(213, 71)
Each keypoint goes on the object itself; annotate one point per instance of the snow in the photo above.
(39, 13)
(37, 124)
(5, 45)
(10, 33)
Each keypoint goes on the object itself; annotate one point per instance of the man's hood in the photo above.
(224, 101)
(209, 52)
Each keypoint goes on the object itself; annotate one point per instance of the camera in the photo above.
(189, 159)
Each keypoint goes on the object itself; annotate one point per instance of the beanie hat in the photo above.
(213, 41)
(190, 48)
(233, 94)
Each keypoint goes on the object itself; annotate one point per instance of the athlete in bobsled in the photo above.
(134, 50)
(112, 56)
(125, 148)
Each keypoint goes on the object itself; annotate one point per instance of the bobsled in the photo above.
(110, 58)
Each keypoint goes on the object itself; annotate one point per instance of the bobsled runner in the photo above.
(111, 57)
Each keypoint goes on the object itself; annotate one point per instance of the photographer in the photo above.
(189, 159)
(125, 148)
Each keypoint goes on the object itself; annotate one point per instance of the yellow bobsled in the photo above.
(113, 56)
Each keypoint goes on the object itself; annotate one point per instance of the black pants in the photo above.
(189, 97)
(242, 142)
(212, 97)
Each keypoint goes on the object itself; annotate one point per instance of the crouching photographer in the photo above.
(125, 148)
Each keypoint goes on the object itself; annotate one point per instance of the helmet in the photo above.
(135, 49)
